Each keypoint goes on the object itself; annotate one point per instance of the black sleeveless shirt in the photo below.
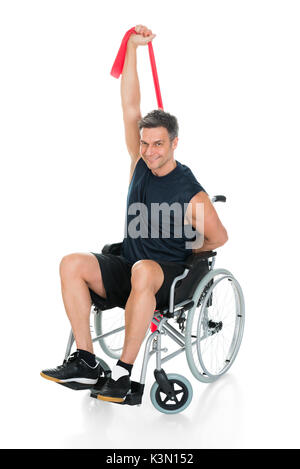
(153, 231)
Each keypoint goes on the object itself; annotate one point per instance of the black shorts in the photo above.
(116, 277)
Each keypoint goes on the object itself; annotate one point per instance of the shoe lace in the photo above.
(71, 358)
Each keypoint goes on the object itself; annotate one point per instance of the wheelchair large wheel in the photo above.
(215, 325)
(108, 321)
(183, 395)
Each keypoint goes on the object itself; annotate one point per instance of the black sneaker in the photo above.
(114, 391)
(74, 373)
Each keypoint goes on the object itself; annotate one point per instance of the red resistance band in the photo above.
(118, 65)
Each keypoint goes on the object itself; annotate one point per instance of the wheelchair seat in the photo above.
(198, 265)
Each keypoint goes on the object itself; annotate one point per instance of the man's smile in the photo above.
(152, 158)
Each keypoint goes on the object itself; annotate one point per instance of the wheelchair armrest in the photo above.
(190, 263)
(195, 258)
(172, 290)
(114, 248)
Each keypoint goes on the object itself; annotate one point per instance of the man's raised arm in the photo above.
(130, 91)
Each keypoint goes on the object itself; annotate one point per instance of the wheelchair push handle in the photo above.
(218, 198)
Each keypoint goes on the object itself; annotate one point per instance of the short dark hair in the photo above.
(160, 118)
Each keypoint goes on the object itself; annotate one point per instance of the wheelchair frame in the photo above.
(153, 344)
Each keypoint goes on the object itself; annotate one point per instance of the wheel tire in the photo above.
(185, 401)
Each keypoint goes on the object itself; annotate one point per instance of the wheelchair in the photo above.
(205, 318)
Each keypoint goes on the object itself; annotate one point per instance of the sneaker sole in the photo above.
(86, 381)
(50, 378)
(110, 399)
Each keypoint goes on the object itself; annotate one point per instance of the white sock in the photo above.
(118, 371)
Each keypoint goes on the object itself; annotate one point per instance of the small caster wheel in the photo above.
(183, 395)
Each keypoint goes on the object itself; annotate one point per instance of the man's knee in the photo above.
(70, 265)
(147, 274)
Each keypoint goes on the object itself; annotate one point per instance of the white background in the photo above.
(229, 71)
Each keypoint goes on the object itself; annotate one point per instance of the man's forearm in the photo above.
(130, 87)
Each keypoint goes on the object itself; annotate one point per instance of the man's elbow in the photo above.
(219, 240)
(223, 238)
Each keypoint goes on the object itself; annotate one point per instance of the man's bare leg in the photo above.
(79, 272)
(146, 278)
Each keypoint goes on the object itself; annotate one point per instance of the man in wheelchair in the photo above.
(138, 276)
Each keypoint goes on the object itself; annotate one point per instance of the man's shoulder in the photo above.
(138, 166)
(187, 173)
(141, 163)
(185, 169)
(189, 184)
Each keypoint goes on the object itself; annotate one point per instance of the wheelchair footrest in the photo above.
(133, 398)
(136, 394)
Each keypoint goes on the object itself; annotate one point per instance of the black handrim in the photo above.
(181, 396)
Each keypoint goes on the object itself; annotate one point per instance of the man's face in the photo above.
(156, 148)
